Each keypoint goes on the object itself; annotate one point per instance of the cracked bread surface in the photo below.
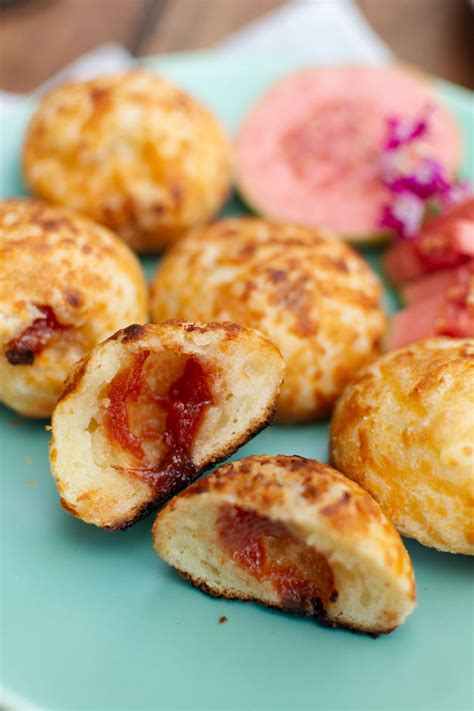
(56, 262)
(313, 295)
(404, 430)
(131, 151)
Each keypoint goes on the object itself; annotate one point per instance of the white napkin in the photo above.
(319, 31)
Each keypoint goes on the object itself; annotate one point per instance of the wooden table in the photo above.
(37, 37)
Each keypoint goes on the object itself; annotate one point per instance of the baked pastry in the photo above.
(291, 533)
(152, 407)
(131, 151)
(404, 430)
(65, 284)
(317, 300)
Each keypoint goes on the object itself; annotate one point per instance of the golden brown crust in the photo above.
(310, 293)
(131, 151)
(92, 283)
(254, 480)
(404, 430)
(74, 378)
(321, 508)
(245, 372)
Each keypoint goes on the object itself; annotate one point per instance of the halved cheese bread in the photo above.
(291, 533)
(152, 407)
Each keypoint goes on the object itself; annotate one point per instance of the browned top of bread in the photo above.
(313, 295)
(133, 152)
(404, 429)
(51, 257)
(283, 487)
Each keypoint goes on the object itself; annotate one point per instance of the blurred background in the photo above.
(39, 37)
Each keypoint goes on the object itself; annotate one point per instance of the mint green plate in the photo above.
(94, 620)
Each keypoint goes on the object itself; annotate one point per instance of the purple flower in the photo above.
(400, 131)
(455, 192)
(426, 180)
(413, 180)
(404, 215)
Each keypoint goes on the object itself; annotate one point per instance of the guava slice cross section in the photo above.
(309, 152)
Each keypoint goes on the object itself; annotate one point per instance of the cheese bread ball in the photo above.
(404, 430)
(65, 284)
(132, 152)
(294, 534)
(148, 410)
(311, 294)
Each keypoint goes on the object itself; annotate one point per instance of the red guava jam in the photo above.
(125, 387)
(184, 405)
(270, 552)
(23, 349)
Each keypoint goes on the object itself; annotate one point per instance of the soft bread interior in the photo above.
(96, 476)
(366, 594)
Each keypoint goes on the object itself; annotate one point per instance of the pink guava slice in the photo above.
(438, 304)
(413, 323)
(309, 152)
(429, 286)
(445, 241)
